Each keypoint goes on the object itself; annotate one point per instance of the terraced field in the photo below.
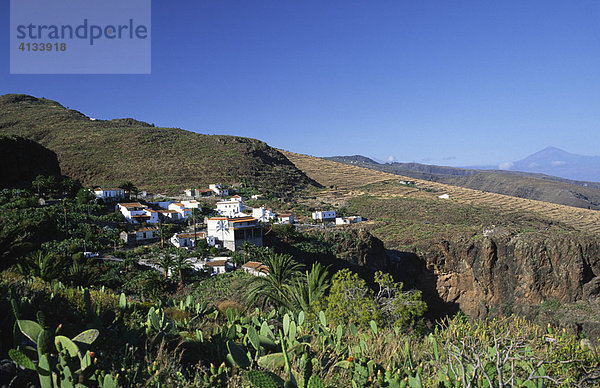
(347, 180)
(333, 174)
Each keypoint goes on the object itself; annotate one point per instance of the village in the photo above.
(229, 226)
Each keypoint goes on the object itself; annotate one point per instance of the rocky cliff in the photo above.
(502, 272)
(21, 160)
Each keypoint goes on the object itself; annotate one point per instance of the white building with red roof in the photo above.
(233, 232)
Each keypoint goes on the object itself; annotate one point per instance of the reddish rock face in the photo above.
(512, 273)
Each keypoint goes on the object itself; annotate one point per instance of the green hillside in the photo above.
(108, 152)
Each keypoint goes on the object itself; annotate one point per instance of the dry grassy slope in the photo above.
(169, 160)
(343, 176)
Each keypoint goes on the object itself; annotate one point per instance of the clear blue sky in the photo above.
(444, 82)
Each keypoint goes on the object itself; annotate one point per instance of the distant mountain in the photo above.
(514, 183)
(109, 152)
(557, 162)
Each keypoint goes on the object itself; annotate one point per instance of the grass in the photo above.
(350, 182)
(99, 152)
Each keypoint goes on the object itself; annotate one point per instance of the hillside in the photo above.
(349, 181)
(21, 160)
(517, 184)
(108, 152)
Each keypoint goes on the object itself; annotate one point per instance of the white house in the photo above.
(141, 235)
(217, 189)
(190, 192)
(153, 216)
(186, 240)
(262, 214)
(444, 196)
(325, 215)
(135, 213)
(256, 196)
(348, 220)
(109, 194)
(233, 232)
(285, 218)
(230, 208)
(181, 209)
(193, 204)
(236, 198)
(170, 215)
(146, 234)
(217, 266)
(255, 268)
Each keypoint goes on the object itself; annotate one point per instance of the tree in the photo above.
(128, 187)
(13, 236)
(70, 187)
(350, 300)
(308, 290)
(398, 308)
(283, 271)
(40, 183)
(195, 215)
(181, 263)
(165, 262)
(84, 196)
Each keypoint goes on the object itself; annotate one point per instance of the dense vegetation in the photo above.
(106, 323)
(100, 152)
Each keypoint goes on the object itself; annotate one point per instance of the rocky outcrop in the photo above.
(21, 160)
(510, 272)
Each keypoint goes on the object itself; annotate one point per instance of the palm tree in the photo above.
(310, 288)
(162, 233)
(283, 271)
(165, 262)
(195, 214)
(181, 263)
(39, 182)
(128, 187)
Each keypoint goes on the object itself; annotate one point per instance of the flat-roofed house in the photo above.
(285, 218)
(230, 208)
(233, 232)
(134, 212)
(111, 194)
(324, 215)
(217, 189)
(181, 209)
(348, 220)
(188, 240)
(263, 214)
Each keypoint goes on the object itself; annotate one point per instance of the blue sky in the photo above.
(442, 82)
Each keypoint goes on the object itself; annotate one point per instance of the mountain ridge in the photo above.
(514, 183)
(109, 152)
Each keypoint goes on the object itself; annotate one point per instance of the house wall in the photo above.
(324, 215)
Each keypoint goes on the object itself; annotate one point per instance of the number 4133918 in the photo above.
(43, 47)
